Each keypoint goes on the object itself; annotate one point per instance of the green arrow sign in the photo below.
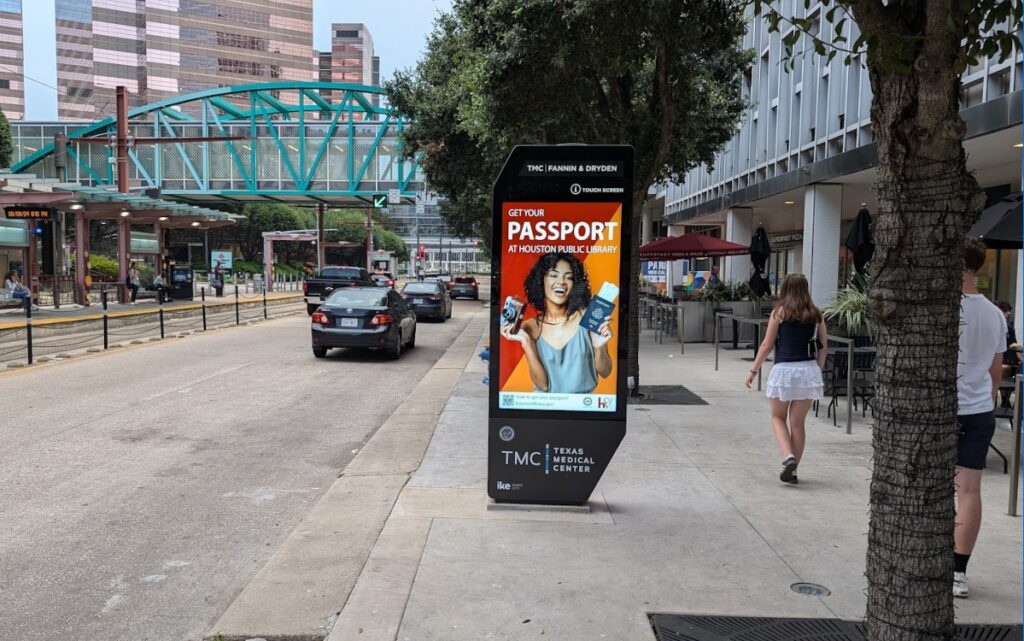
(380, 200)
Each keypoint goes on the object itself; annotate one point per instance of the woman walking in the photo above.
(797, 334)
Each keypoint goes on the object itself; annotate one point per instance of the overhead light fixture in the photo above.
(125, 213)
(790, 202)
(1019, 145)
(164, 218)
(76, 206)
(195, 223)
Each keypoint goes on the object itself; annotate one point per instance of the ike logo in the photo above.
(502, 485)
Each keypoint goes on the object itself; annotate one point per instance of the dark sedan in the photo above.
(465, 286)
(369, 317)
(383, 280)
(428, 300)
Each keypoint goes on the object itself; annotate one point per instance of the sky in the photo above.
(399, 29)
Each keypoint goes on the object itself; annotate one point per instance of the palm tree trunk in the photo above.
(927, 200)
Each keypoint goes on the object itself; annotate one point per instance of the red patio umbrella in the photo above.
(690, 246)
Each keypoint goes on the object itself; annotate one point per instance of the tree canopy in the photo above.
(6, 144)
(660, 75)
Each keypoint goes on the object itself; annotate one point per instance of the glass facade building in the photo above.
(163, 48)
(12, 54)
(351, 57)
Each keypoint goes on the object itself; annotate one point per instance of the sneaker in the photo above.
(788, 470)
(794, 480)
(960, 585)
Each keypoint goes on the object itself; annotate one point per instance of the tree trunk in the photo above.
(633, 364)
(927, 200)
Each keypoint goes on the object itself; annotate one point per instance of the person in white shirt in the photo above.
(979, 369)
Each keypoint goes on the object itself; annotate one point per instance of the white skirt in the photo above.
(799, 381)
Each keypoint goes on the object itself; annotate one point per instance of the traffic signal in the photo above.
(422, 253)
(380, 200)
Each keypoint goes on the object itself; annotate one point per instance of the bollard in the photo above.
(28, 327)
(264, 302)
(160, 301)
(103, 299)
(202, 296)
(238, 320)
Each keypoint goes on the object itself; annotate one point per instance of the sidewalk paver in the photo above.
(689, 518)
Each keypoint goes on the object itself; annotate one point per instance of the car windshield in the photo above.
(358, 298)
(340, 272)
(380, 277)
(420, 288)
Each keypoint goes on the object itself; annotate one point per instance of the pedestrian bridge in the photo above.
(295, 142)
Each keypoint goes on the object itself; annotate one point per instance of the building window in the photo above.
(5, 84)
(346, 34)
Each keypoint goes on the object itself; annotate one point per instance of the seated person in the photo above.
(159, 287)
(14, 288)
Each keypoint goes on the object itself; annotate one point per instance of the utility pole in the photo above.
(369, 239)
(416, 260)
(121, 159)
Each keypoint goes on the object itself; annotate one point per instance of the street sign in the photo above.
(556, 416)
(394, 197)
(17, 212)
(380, 200)
(421, 209)
(426, 198)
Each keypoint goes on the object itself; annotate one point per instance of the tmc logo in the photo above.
(506, 433)
(513, 457)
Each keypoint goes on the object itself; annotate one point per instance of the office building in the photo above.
(164, 48)
(803, 161)
(12, 54)
(351, 58)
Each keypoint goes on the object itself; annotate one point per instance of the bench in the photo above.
(8, 301)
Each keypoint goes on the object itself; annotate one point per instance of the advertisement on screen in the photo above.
(220, 259)
(559, 325)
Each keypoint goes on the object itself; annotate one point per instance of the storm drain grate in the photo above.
(666, 395)
(681, 627)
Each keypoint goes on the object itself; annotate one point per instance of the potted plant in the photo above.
(848, 314)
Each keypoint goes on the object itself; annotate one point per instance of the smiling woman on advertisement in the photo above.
(566, 344)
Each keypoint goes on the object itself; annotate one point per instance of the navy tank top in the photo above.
(791, 346)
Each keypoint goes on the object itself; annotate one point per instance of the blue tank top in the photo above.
(570, 370)
(791, 346)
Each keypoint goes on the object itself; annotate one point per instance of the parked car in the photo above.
(428, 300)
(371, 317)
(316, 290)
(383, 279)
(466, 286)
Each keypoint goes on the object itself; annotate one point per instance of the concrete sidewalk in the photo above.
(689, 518)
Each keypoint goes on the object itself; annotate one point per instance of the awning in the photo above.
(691, 246)
(1000, 225)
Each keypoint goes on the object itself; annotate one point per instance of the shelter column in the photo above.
(124, 233)
(320, 238)
(738, 229)
(822, 217)
(158, 231)
(81, 250)
(31, 265)
(268, 263)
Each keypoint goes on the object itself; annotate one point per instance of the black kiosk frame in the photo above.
(526, 446)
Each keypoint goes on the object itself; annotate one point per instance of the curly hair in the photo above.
(579, 295)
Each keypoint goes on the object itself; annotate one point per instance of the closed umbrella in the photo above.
(760, 252)
(860, 242)
(1000, 224)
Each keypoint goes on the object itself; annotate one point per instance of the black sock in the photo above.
(960, 562)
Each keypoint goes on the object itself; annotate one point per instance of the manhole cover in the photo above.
(810, 589)
(691, 627)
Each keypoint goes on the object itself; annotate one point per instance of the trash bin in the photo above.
(181, 287)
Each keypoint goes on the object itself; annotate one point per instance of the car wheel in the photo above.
(395, 352)
(320, 352)
(311, 308)
(412, 339)
(476, 296)
(449, 313)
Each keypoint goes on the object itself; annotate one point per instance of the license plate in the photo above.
(348, 322)
(417, 301)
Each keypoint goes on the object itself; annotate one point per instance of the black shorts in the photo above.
(973, 439)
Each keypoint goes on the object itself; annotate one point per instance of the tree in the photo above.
(6, 146)
(915, 51)
(261, 217)
(660, 75)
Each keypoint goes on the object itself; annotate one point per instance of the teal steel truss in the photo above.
(297, 142)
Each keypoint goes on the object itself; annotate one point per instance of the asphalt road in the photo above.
(143, 488)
